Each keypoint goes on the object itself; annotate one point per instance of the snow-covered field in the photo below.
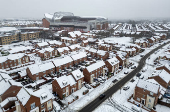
(121, 40)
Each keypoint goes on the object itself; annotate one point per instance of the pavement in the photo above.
(96, 102)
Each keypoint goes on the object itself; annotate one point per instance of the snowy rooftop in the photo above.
(165, 76)
(74, 46)
(62, 61)
(20, 48)
(101, 52)
(62, 81)
(7, 100)
(11, 57)
(46, 66)
(7, 29)
(148, 86)
(79, 55)
(113, 61)
(72, 34)
(49, 49)
(23, 96)
(42, 44)
(62, 49)
(43, 94)
(5, 86)
(77, 74)
(55, 42)
(95, 66)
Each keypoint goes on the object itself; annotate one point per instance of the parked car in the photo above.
(126, 88)
(102, 96)
(100, 80)
(126, 72)
(133, 67)
(114, 80)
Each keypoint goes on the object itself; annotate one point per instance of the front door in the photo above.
(143, 101)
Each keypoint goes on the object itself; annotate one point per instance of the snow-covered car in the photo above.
(126, 72)
(100, 80)
(126, 88)
(133, 67)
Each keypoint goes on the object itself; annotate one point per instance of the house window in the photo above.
(42, 106)
(143, 96)
(49, 102)
(149, 100)
(144, 90)
(13, 91)
(149, 105)
(151, 93)
(32, 106)
(138, 99)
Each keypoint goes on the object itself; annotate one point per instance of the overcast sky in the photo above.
(113, 9)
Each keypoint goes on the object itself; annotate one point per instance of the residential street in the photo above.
(95, 103)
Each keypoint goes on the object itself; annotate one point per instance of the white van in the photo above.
(137, 109)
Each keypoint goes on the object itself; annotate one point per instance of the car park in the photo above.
(102, 96)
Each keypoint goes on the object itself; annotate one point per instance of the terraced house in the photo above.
(13, 61)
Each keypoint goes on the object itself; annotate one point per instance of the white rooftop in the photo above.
(95, 66)
(148, 86)
(77, 74)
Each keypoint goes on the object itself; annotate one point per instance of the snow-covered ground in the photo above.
(121, 96)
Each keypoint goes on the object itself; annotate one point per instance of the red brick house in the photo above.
(165, 56)
(13, 61)
(123, 60)
(79, 78)
(112, 64)
(102, 54)
(63, 50)
(146, 93)
(157, 38)
(93, 71)
(151, 41)
(163, 78)
(105, 47)
(83, 37)
(92, 52)
(35, 72)
(66, 85)
(37, 101)
(74, 47)
(9, 88)
(68, 40)
(163, 36)
(84, 43)
(79, 58)
(142, 43)
(56, 44)
(47, 53)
